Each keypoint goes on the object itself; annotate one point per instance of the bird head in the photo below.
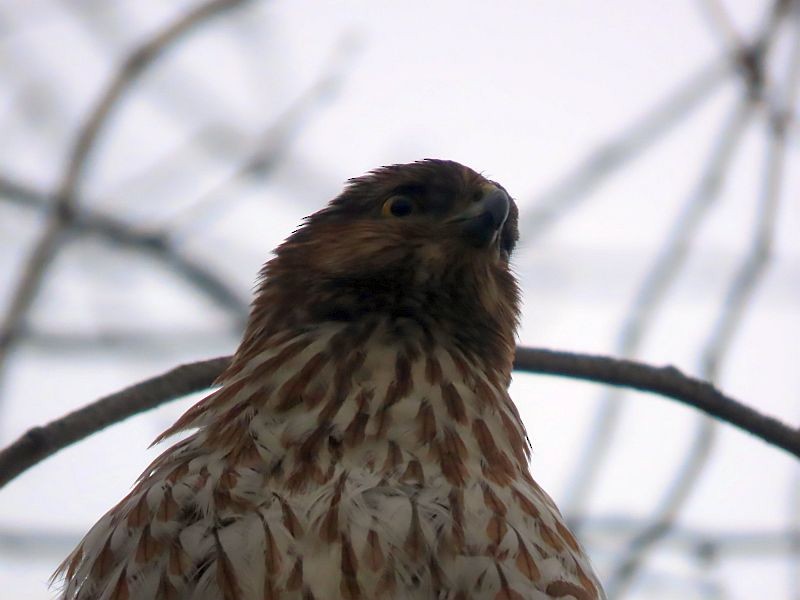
(428, 242)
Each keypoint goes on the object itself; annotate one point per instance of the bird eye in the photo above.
(398, 206)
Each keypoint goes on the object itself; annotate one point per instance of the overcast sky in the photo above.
(525, 92)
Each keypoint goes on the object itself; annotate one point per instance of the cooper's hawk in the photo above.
(362, 443)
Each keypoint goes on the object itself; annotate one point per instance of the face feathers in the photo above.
(352, 261)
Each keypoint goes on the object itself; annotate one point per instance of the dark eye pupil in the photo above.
(401, 207)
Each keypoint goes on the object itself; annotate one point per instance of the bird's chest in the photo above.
(383, 537)
(394, 471)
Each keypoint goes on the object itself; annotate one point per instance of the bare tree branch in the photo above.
(613, 154)
(271, 145)
(735, 302)
(701, 542)
(575, 185)
(794, 524)
(116, 231)
(664, 381)
(649, 296)
(129, 341)
(721, 23)
(41, 442)
(62, 210)
(176, 96)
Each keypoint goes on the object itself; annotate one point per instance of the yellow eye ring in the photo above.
(397, 206)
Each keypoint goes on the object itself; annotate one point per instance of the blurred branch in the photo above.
(272, 144)
(574, 186)
(109, 31)
(719, 19)
(701, 543)
(167, 342)
(41, 442)
(61, 212)
(602, 162)
(663, 381)
(156, 245)
(735, 302)
(794, 525)
(650, 295)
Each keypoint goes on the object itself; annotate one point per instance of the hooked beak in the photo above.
(481, 222)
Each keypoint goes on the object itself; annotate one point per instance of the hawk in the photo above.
(362, 444)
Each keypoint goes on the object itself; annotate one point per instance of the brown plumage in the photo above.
(362, 443)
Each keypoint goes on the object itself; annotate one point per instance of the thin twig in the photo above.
(117, 232)
(62, 210)
(42, 442)
(176, 96)
(665, 381)
(721, 23)
(272, 146)
(612, 155)
(574, 186)
(668, 263)
(137, 343)
(700, 542)
(650, 295)
(736, 300)
(794, 525)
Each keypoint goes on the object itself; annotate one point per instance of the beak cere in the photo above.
(482, 221)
